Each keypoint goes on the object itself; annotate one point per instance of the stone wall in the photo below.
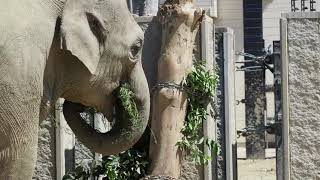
(83, 156)
(46, 161)
(220, 163)
(303, 98)
(46, 167)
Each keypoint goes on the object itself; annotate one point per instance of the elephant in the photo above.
(79, 50)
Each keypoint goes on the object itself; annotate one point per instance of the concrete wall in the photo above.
(83, 156)
(301, 88)
(46, 164)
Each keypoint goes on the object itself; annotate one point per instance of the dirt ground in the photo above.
(257, 169)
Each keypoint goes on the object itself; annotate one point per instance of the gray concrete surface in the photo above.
(259, 169)
(304, 95)
(46, 164)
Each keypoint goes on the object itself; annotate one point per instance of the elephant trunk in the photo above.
(126, 133)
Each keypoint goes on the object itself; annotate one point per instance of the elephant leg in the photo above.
(18, 137)
(17, 162)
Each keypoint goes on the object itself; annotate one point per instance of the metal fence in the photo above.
(303, 5)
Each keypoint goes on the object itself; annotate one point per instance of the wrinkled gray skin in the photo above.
(76, 49)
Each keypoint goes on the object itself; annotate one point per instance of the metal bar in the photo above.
(246, 55)
(247, 61)
(285, 99)
(293, 6)
(303, 5)
(312, 5)
(265, 132)
(130, 6)
(277, 107)
(251, 70)
(254, 67)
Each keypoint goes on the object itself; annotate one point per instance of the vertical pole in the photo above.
(60, 158)
(303, 5)
(129, 3)
(65, 142)
(285, 99)
(254, 81)
(277, 100)
(207, 53)
(229, 101)
(312, 5)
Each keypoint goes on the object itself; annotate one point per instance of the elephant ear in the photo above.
(83, 32)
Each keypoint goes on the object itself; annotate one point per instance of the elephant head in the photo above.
(104, 38)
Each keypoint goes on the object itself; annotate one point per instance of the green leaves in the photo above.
(201, 85)
(79, 172)
(131, 164)
(201, 81)
(126, 97)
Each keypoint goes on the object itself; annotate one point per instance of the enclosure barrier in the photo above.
(300, 47)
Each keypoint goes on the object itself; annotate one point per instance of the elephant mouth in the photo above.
(124, 132)
(108, 131)
(103, 119)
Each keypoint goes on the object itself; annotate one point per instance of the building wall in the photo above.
(230, 14)
(204, 3)
(304, 95)
(272, 10)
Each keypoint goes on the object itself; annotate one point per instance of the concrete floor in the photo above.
(270, 153)
(264, 169)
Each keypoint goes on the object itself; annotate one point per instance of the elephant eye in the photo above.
(136, 48)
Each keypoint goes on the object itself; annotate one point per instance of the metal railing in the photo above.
(303, 5)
